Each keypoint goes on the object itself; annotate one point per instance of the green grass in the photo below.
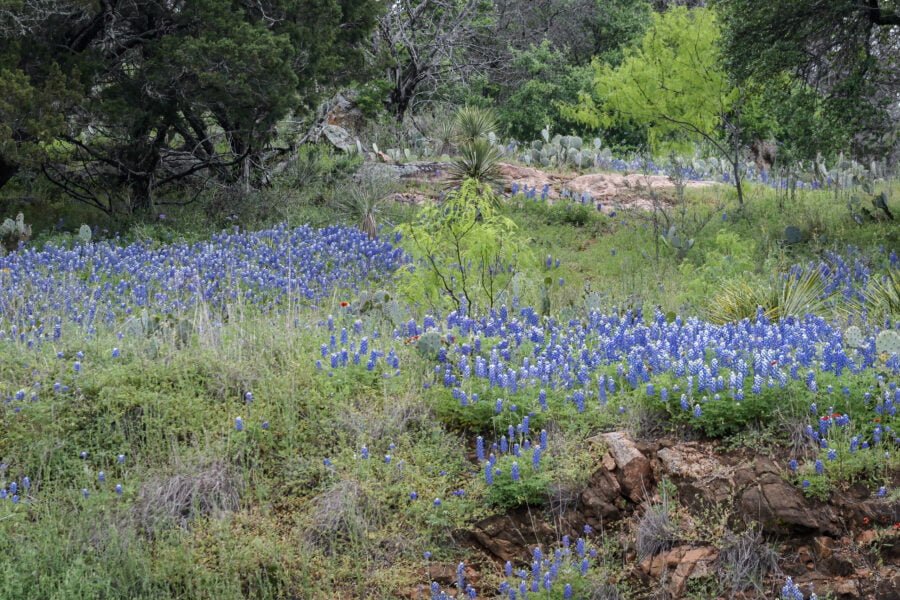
(168, 407)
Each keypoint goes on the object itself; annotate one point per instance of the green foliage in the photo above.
(361, 199)
(532, 488)
(472, 123)
(546, 81)
(208, 82)
(465, 253)
(836, 76)
(727, 256)
(478, 160)
(789, 296)
(671, 83)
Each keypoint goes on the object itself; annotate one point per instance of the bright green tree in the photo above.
(673, 85)
(465, 252)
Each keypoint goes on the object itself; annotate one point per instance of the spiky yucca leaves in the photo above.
(799, 295)
(881, 298)
(794, 295)
(444, 134)
(363, 198)
(472, 123)
(478, 160)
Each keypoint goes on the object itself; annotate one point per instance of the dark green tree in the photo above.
(846, 53)
(158, 91)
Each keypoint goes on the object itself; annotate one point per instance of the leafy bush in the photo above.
(465, 252)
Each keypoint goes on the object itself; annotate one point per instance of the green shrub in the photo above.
(465, 252)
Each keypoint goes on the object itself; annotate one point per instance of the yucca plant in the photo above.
(444, 135)
(473, 123)
(363, 199)
(478, 160)
(880, 299)
(792, 295)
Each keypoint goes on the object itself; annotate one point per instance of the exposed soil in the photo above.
(609, 191)
(848, 547)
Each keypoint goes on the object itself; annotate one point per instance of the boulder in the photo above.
(601, 498)
(339, 137)
(697, 474)
(777, 505)
(632, 467)
(510, 536)
(679, 565)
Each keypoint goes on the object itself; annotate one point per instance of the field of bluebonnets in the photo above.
(269, 414)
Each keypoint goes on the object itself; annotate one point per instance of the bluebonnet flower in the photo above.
(820, 467)
(514, 471)
(238, 424)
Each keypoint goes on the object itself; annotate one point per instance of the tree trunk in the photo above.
(8, 170)
(141, 200)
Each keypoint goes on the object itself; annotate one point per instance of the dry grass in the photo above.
(341, 515)
(744, 561)
(656, 531)
(189, 490)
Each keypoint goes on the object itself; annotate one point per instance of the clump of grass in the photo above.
(744, 561)
(605, 591)
(656, 530)
(343, 514)
(190, 490)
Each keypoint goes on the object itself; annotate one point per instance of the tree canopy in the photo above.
(846, 51)
(140, 94)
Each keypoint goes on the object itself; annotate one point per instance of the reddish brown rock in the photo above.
(679, 565)
(780, 507)
(632, 467)
(510, 536)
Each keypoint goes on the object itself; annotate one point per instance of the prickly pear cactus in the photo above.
(853, 337)
(888, 342)
(429, 344)
(84, 234)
